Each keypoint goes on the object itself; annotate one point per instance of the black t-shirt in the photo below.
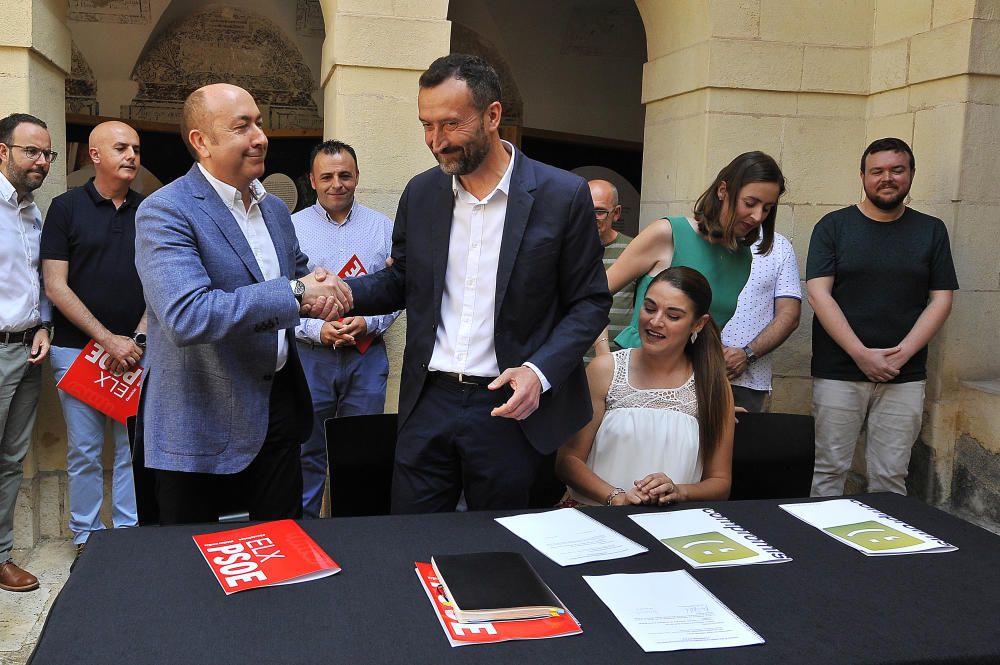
(98, 241)
(882, 275)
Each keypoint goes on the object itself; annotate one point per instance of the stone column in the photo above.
(34, 61)
(375, 50)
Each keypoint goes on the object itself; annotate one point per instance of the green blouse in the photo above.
(727, 273)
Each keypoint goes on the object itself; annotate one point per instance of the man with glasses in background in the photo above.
(25, 331)
(607, 211)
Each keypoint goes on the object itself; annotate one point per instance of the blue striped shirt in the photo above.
(365, 233)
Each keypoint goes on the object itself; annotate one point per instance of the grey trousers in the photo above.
(20, 386)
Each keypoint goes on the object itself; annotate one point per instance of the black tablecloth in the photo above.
(146, 595)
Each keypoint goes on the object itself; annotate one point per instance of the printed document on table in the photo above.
(706, 539)
(569, 536)
(870, 531)
(671, 611)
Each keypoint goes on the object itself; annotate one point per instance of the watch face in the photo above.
(140, 339)
(298, 288)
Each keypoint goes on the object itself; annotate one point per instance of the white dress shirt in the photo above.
(251, 223)
(465, 336)
(23, 304)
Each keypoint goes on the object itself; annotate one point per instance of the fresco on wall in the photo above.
(109, 11)
(224, 44)
(309, 18)
(81, 86)
(467, 40)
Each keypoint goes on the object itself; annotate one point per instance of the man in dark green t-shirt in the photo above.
(880, 279)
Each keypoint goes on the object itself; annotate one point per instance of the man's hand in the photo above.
(736, 361)
(527, 390)
(877, 364)
(343, 332)
(327, 297)
(124, 353)
(39, 346)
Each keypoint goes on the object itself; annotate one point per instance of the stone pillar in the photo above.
(34, 61)
(375, 50)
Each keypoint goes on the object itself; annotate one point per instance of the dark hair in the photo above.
(10, 123)
(332, 147)
(881, 145)
(710, 382)
(478, 74)
(747, 168)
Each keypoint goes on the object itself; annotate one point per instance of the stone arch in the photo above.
(81, 86)
(467, 40)
(247, 50)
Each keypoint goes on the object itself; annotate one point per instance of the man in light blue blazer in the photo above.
(225, 403)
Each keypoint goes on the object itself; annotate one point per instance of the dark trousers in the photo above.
(270, 488)
(450, 443)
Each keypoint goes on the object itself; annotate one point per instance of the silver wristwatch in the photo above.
(298, 289)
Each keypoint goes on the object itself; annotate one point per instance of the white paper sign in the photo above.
(706, 539)
(568, 536)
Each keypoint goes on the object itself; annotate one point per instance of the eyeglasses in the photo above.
(601, 214)
(33, 153)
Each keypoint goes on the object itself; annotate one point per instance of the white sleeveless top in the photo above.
(645, 431)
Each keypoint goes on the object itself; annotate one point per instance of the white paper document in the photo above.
(671, 611)
(706, 539)
(866, 529)
(568, 536)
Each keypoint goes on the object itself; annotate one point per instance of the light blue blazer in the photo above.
(212, 319)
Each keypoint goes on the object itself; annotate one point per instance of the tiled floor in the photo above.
(23, 614)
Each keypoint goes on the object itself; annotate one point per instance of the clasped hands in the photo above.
(655, 489)
(326, 297)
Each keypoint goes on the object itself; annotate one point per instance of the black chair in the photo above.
(360, 450)
(773, 456)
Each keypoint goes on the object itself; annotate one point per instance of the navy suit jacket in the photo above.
(212, 319)
(552, 296)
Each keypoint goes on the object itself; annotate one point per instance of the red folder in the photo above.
(354, 268)
(89, 380)
(264, 555)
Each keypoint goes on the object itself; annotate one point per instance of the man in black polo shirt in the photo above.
(88, 263)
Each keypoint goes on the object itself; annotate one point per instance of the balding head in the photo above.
(606, 208)
(114, 149)
(221, 127)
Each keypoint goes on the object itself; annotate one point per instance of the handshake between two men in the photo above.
(326, 296)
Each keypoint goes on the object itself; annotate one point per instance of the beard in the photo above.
(890, 203)
(24, 180)
(470, 156)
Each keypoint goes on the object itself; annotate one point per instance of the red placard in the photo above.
(89, 380)
(264, 555)
(354, 268)
(460, 634)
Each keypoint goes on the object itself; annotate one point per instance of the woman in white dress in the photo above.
(662, 430)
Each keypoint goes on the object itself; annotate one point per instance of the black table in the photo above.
(146, 595)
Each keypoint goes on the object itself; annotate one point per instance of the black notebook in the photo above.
(494, 586)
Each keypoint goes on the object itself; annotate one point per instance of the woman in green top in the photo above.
(739, 206)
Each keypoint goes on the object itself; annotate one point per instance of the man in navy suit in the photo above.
(498, 264)
(225, 403)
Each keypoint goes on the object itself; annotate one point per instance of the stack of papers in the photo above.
(569, 536)
(706, 539)
(867, 530)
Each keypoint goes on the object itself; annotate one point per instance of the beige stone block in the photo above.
(940, 92)
(757, 65)
(889, 102)
(386, 42)
(791, 394)
(941, 52)
(763, 102)
(437, 9)
(899, 19)
(26, 532)
(15, 28)
(395, 84)
(968, 351)
(792, 358)
(979, 416)
(52, 505)
(821, 104)
(985, 51)
(984, 90)
(889, 66)
(952, 11)
(730, 135)
(804, 218)
(735, 18)
(938, 135)
(981, 148)
(665, 111)
(976, 247)
(831, 69)
(49, 442)
(900, 126)
(843, 23)
(50, 36)
(784, 220)
(395, 343)
(674, 160)
(373, 7)
(676, 73)
(674, 25)
(820, 156)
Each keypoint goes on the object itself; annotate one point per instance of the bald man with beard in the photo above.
(88, 263)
